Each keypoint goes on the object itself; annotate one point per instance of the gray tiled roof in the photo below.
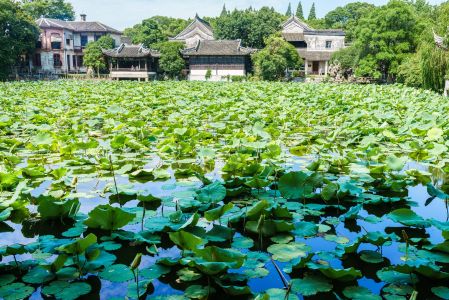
(307, 30)
(218, 47)
(131, 51)
(76, 26)
(315, 55)
(197, 23)
(327, 32)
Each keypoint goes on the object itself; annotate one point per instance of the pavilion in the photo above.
(132, 62)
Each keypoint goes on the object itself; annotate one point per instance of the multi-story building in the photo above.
(314, 46)
(61, 44)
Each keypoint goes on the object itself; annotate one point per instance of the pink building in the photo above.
(61, 44)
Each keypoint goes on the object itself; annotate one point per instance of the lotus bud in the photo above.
(136, 262)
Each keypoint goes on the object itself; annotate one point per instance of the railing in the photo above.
(129, 70)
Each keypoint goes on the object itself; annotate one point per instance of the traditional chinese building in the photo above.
(197, 30)
(132, 62)
(219, 59)
(61, 44)
(314, 46)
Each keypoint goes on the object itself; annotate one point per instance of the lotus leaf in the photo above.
(311, 285)
(107, 217)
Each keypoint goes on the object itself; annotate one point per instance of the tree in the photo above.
(106, 42)
(312, 14)
(434, 66)
(410, 71)
(170, 27)
(94, 58)
(278, 56)
(299, 11)
(18, 35)
(146, 33)
(55, 9)
(347, 59)
(385, 37)
(224, 11)
(251, 26)
(347, 17)
(171, 62)
(265, 23)
(289, 10)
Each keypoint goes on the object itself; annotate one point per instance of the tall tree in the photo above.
(170, 27)
(55, 9)
(251, 26)
(289, 10)
(147, 33)
(18, 35)
(385, 37)
(300, 11)
(312, 14)
(347, 17)
(224, 11)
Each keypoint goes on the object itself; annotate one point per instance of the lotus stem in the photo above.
(115, 182)
(281, 275)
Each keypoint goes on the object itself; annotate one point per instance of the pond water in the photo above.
(30, 230)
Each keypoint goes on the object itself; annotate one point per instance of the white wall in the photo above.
(318, 42)
(217, 75)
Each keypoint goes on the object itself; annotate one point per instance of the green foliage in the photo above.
(434, 63)
(147, 33)
(278, 56)
(107, 217)
(300, 11)
(208, 74)
(18, 34)
(54, 9)
(386, 36)
(251, 26)
(347, 58)
(312, 13)
(94, 58)
(347, 17)
(411, 72)
(170, 27)
(171, 62)
(289, 10)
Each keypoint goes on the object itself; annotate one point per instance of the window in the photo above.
(84, 40)
(37, 60)
(97, 37)
(38, 45)
(56, 45)
(328, 44)
(57, 60)
(67, 42)
(80, 61)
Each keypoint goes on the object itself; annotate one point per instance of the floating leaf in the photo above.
(117, 273)
(310, 285)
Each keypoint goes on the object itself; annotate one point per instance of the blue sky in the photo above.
(125, 13)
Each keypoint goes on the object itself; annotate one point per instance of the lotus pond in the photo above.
(182, 190)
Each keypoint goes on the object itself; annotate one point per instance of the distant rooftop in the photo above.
(76, 26)
(131, 51)
(218, 48)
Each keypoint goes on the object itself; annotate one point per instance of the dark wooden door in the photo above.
(315, 66)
